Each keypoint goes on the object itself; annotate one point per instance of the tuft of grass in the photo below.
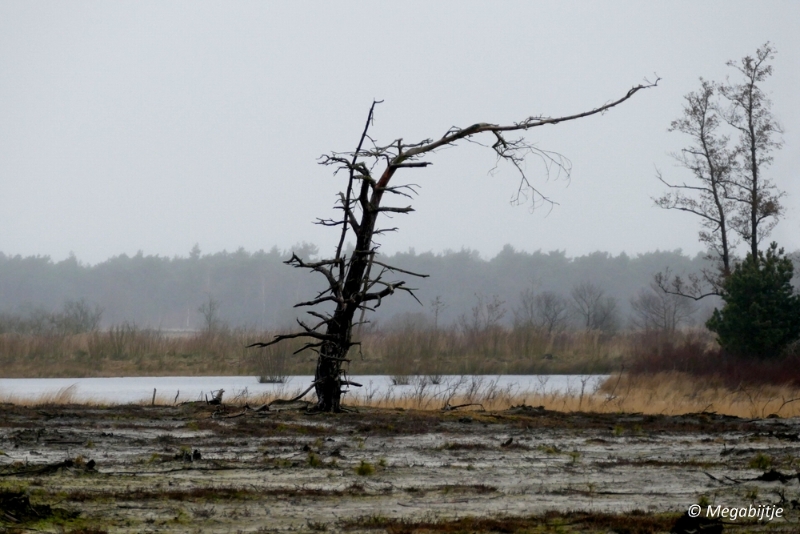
(365, 469)
(549, 449)
(760, 461)
(314, 460)
(317, 526)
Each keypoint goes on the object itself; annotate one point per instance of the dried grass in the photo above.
(670, 393)
(679, 393)
(64, 396)
(660, 394)
(127, 350)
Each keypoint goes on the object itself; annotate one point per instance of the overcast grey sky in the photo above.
(153, 126)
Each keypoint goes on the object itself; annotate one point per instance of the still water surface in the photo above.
(187, 388)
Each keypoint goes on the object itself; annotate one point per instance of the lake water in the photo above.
(189, 388)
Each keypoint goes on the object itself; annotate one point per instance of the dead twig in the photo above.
(448, 408)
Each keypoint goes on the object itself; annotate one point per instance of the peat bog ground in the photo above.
(201, 468)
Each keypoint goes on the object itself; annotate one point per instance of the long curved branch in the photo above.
(532, 122)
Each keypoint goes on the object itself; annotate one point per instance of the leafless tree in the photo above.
(525, 323)
(596, 310)
(708, 197)
(749, 113)
(210, 312)
(525, 313)
(729, 193)
(656, 310)
(552, 312)
(482, 327)
(437, 305)
(546, 311)
(359, 281)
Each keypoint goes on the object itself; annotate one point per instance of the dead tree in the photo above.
(360, 281)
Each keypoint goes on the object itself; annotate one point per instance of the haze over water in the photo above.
(170, 389)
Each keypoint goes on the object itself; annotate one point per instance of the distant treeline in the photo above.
(257, 290)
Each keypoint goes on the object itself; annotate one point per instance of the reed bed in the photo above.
(127, 350)
(679, 393)
(520, 350)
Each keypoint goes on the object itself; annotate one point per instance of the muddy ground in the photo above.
(200, 468)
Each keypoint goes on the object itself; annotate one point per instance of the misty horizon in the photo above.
(258, 289)
(304, 246)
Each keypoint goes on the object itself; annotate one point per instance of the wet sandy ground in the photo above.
(199, 468)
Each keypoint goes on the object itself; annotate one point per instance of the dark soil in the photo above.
(198, 468)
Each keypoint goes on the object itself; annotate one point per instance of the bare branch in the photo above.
(676, 286)
(407, 209)
(397, 269)
(454, 134)
(411, 165)
(384, 230)
(329, 298)
(410, 291)
(352, 168)
(320, 267)
(324, 317)
(282, 337)
(308, 346)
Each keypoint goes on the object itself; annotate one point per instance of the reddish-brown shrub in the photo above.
(693, 356)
